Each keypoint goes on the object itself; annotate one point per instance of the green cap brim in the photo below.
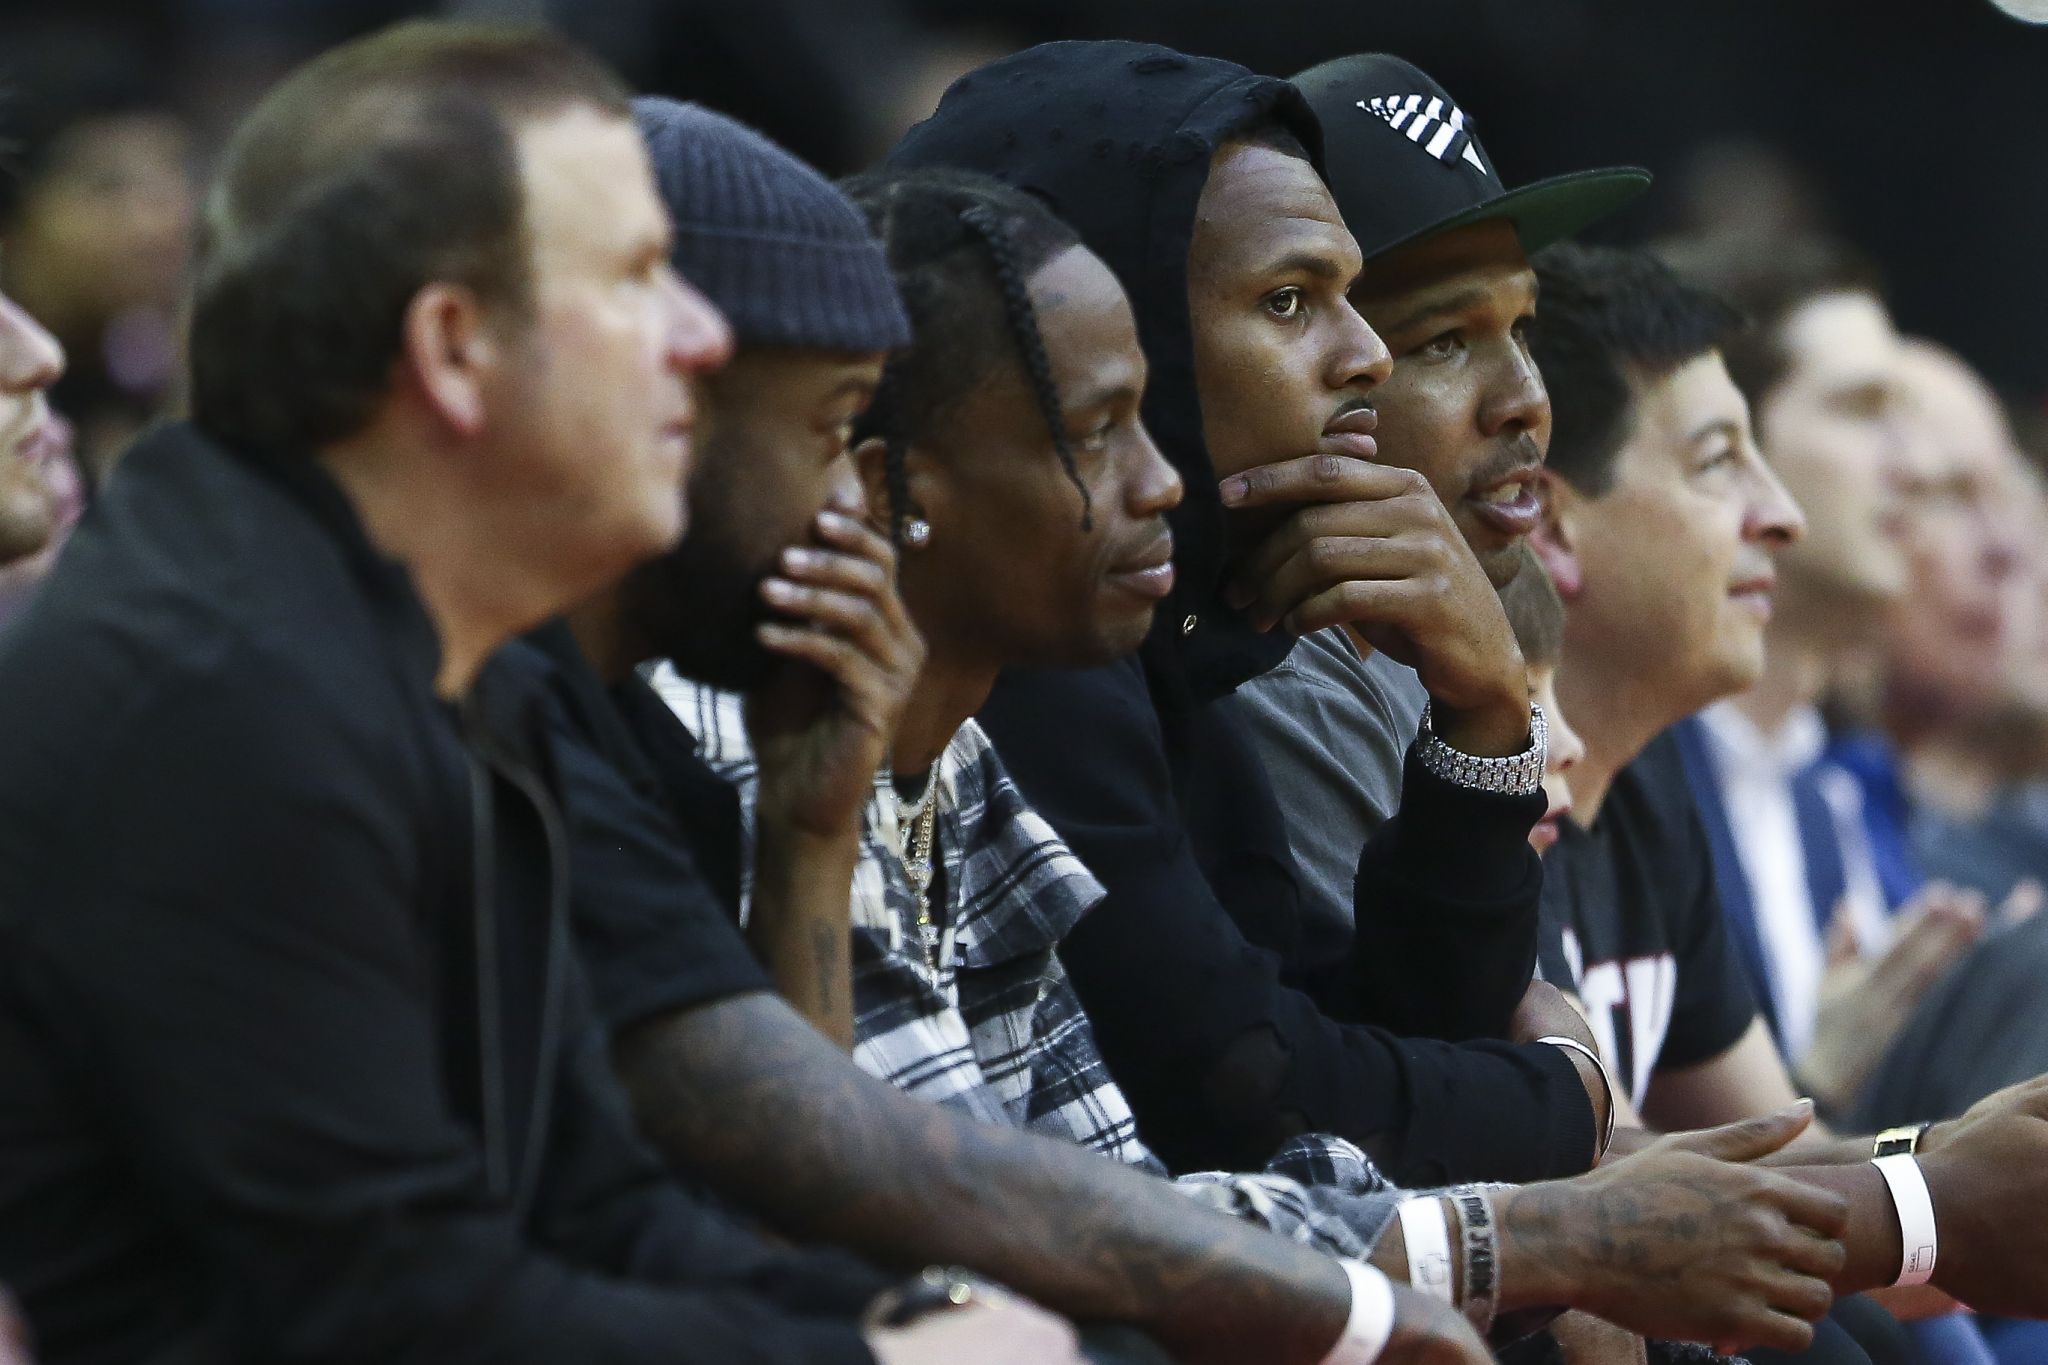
(1548, 211)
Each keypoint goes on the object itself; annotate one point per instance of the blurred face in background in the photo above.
(1676, 559)
(1962, 479)
(34, 443)
(1564, 751)
(1830, 430)
(106, 225)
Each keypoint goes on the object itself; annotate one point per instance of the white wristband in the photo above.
(1372, 1317)
(1426, 1233)
(1915, 1208)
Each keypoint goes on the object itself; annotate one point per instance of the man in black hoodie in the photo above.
(296, 1060)
(1195, 180)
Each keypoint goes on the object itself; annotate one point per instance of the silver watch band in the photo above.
(1516, 775)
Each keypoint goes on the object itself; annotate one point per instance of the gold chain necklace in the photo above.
(917, 858)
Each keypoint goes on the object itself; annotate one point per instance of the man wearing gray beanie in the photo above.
(733, 1082)
(814, 309)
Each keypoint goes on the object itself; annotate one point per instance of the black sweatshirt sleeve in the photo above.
(1219, 1057)
(235, 966)
(1447, 905)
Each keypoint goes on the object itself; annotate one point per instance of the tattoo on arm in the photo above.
(746, 1096)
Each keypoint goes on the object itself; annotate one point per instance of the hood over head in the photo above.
(1117, 138)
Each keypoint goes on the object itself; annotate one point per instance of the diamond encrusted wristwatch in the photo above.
(1516, 775)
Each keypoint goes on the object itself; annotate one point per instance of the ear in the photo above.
(452, 352)
(871, 460)
(1555, 540)
(871, 466)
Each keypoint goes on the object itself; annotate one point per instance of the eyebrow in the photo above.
(1121, 391)
(1453, 300)
(1305, 262)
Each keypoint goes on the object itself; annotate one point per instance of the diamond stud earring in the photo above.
(917, 533)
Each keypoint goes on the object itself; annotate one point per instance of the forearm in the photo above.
(1452, 883)
(745, 1097)
(799, 927)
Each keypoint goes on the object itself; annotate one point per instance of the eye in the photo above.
(1097, 441)
(1442, 347)
(1286, 304)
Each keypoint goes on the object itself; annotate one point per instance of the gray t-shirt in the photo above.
(1333, 726)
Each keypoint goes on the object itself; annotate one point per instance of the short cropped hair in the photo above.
(1767, 282)
(1535, 612)
(1609, 318)
(376, 169)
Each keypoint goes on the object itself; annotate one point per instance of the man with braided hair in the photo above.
(729, 1080)
(1191, 178)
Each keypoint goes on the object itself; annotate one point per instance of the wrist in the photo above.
(789, 856)
(1543, 1271)
(1492, 726)
(1370, 1321)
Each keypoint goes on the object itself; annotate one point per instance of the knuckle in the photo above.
(1323, 555)
(1326, 469)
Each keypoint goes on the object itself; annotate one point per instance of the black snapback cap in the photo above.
(1403, 163)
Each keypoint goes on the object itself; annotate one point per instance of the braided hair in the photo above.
(963, 248)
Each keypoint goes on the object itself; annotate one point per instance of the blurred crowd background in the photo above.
(1915, 130)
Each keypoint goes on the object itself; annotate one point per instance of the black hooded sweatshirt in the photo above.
(295, 1061)
(1193, 968)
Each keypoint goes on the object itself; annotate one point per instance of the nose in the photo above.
(699, 338)
(1997, 537)
(1155, 487)
(1360, 359)
(1773, 516)
(30, 358)
(1516, 401)
(1566, 747)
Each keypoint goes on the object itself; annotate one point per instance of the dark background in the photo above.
(1918, 130)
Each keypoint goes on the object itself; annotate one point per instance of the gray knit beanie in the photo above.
(784, 255)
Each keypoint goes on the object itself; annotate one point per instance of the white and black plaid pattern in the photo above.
(997, 1031)
(1431, 123)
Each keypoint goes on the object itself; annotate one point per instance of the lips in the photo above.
(48, 441)
(1755, 593)
(1511, 505)
(1350, 433)
(1149, 573)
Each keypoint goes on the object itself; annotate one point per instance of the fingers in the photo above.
(1417, 516)
(1936, 938)
(1773, 1331)
(847, 590)
(1323, 573)
(841, 661)
(1750, 1138)
(1801, 1296)
(1318, 478)
(2023, 902)
(1842, 945)
(848, 534)
(853, 614)
(1812, 1242)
